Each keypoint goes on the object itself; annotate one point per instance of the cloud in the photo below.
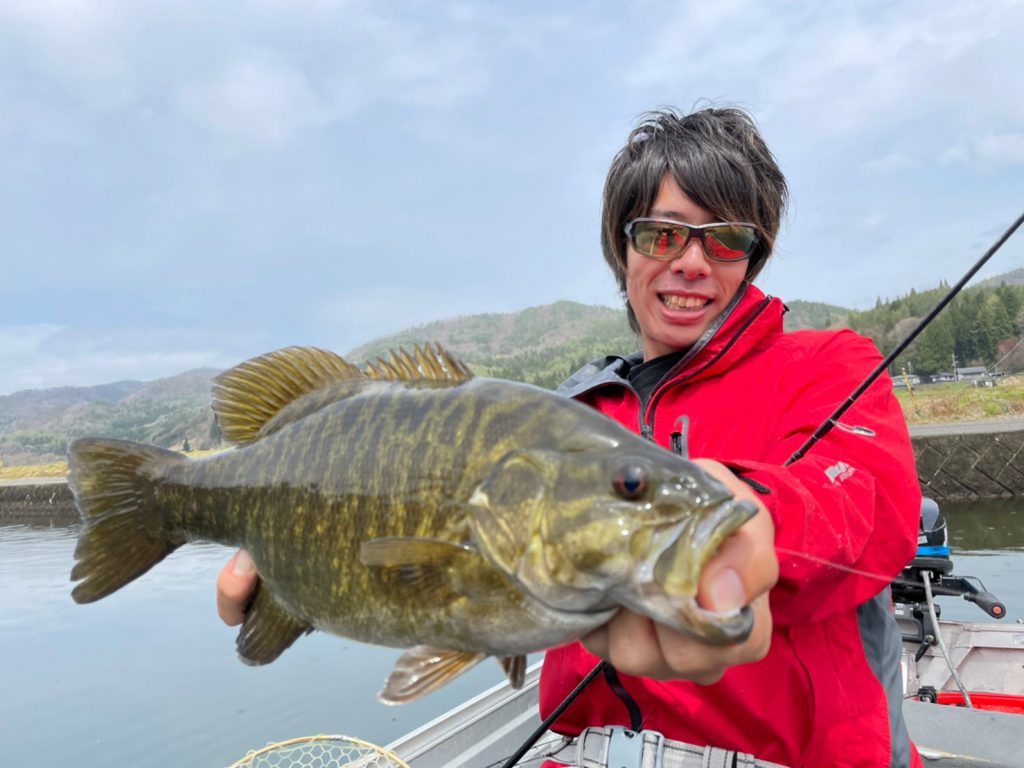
(835, 70)
(326, 171)
(43, 356)
(893, 161)
(257, 98)
(315, 63)
(21, 340)
(987, 152)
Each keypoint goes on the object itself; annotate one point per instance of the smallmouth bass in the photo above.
(411, 504)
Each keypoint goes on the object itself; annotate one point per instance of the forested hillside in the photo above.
(982, 326)
(540, 345)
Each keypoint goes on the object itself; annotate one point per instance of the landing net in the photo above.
(321, 752)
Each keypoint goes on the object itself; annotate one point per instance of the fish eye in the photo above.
(630, 481)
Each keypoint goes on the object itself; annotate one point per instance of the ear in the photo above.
(504, 505)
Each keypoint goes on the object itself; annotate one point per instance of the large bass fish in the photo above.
(410, 504)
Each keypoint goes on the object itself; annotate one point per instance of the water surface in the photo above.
(149, 677)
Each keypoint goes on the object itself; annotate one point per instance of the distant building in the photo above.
(970, 374)
(943, 376)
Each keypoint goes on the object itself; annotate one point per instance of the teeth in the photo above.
(684, 302)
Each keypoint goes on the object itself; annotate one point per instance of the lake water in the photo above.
(149, 677)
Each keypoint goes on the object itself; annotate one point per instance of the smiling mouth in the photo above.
(683, 302)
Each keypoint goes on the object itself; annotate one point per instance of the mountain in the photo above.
(18, 410)
(541, 345)
(36, 425)
(814, 314)
(1015, 277)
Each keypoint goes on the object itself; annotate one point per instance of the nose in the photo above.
(693, 262)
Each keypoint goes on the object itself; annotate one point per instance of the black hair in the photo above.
(718, 159)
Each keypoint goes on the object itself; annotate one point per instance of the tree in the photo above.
(1012, 298)
(933, 349)
(994, 325)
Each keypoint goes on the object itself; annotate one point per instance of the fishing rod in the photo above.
(555, 714)
(820, 432)
(831, 421)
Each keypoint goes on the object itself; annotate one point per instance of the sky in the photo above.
(191, 184)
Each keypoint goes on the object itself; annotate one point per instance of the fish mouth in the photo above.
(666, 584)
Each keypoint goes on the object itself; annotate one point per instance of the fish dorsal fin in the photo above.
(429, 363)
(249, 395)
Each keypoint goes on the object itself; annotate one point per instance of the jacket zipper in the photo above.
(646, 417)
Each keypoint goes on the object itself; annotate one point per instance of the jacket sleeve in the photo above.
(847, 513)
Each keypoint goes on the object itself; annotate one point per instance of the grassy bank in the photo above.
(60, 468)
(927, 404)
(958, 401)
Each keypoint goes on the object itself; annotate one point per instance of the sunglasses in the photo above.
(666, 240)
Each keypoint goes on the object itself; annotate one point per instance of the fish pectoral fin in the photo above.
(515, 669)
(268, 629)
(249, 396)
(424, 669)
(425, 569)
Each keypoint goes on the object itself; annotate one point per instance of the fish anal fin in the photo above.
(268, 629)
(247, 397)
(424, 669)
(423, 569)
(430, 363)
(514, 668)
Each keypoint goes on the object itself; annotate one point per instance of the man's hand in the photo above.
(235, 586)
(741, 573)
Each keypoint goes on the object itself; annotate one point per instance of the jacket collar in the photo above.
(750, 318)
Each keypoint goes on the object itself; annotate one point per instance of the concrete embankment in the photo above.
(963, 460)
(970, 460)
(29, 500)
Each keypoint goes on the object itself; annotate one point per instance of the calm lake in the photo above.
(149, 676)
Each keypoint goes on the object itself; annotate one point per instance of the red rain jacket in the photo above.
(753, 395)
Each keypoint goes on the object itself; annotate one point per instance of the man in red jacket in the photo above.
(692, 205)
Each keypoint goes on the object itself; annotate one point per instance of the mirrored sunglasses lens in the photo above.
(659, 240)
(731, 243)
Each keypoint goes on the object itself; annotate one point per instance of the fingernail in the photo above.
(726, 592)
(244, 566)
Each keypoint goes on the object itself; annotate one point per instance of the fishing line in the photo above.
(847, 568)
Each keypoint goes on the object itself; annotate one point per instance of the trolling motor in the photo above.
(934, 565)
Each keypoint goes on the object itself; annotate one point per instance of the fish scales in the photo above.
(412, 504)
(431, 469)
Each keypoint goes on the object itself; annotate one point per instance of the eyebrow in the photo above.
(658, 213)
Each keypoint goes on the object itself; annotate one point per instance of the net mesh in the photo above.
(321, 752)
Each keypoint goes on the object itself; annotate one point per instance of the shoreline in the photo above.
(961, 460)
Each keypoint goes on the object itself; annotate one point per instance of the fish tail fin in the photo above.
(123, 533)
